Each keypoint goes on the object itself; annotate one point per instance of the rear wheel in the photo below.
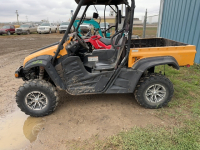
(37, 98)
(18, 34)
(154, 91)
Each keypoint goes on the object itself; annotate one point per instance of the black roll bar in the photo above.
(82, 17)
(60, 46)
(129, 34)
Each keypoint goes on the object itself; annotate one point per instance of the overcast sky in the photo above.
(59, 10)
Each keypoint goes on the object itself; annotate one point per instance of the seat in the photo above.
(107, 59)
(111, 64)
(105, 41)
(103, 55)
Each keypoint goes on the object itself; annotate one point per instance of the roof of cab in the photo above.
(102, 2)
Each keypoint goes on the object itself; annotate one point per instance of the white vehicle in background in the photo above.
(26, 28)
(47, 27)
(63, 27)
(104, 26)
(85, 28)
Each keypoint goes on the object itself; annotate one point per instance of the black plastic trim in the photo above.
(45, 61)
(146, 63)
(125, 82)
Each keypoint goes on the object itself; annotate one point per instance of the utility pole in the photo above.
(26, 18)
(144, 24)
(17, 16)
(71, 14)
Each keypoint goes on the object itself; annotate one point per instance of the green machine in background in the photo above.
(91, 22)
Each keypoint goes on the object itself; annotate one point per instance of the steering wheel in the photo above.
(81, 41)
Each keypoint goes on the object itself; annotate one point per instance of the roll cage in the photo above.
(87, 3)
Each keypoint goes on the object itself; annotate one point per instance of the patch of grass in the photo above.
(150, 138)
(150, 31)
(196, 109)
(159, 138)
(186, 84)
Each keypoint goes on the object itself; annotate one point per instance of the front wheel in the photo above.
(49, 31)
(37, 98)
(8, 33)
(154, 91)
(27, 32)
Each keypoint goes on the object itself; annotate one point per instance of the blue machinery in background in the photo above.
(92, 22)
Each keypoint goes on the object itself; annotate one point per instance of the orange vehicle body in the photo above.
(184, 55)
(48, 51)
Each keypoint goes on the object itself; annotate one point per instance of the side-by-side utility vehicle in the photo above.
(128, 67)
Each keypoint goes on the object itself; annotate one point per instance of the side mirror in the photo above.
(95, 15)
(120, 16)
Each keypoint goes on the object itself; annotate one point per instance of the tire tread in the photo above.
(144, 80)
(38, 83)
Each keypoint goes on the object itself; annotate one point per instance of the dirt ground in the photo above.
(76, 119)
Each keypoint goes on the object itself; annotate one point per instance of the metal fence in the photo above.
(150, 25)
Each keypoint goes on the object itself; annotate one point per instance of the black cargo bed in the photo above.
(154, 42)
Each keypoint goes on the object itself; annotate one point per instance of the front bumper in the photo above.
(19, 72)
(21, 32)
(102, 30)
(43, 31)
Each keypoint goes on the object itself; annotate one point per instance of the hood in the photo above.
(21, 28)
(64, 25)
(84, 25)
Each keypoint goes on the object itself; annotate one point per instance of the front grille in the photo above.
(42, 28)
(19, 30)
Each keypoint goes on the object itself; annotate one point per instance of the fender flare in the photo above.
(45, 61)
(147, 63)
